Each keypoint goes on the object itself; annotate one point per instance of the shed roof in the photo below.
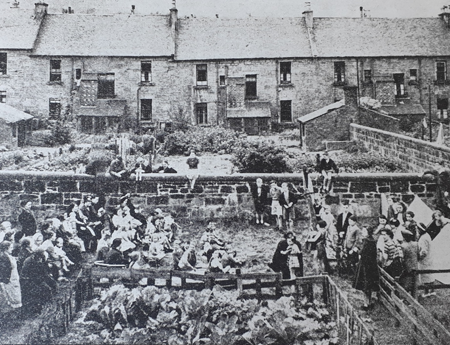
(242, 38)
(18, 29)
(403, 109)
(105, 35)
(322, 111)
(12, 115)
(359, 37)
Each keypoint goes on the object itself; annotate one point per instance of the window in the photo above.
(285, 72)
(442, 105)
(201, 112)
(202, 75)
(54, 108)
(222, 80)
(339, 72)
(78, 74)
(413, 75)
(441, 71)
(146, 71)
(3, 63)
(55, 70)
(105, 85)
(2, 96)
(368, 76)
(399, 79)
(250, 86)
(146, 109)
(286, 111)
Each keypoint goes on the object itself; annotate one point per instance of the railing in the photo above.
(352, 329)
(418, 287)
(425, 329)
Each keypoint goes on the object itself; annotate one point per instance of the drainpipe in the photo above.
(138, 107)
(358, 94)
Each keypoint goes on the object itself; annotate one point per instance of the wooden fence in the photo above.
(418, 286)
(425, 329)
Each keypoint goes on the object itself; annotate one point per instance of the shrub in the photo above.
(201, 139)
(60, 135)
(261, 158)
(39, 138)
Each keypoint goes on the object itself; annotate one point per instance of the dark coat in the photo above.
(28, 223)
(328, 166)
(280, 261)
(115, 257)
(292, 198)
(367, 274)
(260, 200)
(5, 269)
(341, 226)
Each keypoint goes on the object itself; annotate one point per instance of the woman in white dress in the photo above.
(10, 295)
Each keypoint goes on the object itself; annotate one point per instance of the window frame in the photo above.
(148, 104)
(367, 73)
(441, 76)
(339, 73)
(413, 76)
(106, 93)
(52, 103)
(442, 110)
(201, 113)
(222, 80)
(55, 71)
(201, 75)
(3, 63)
(146, 72)
(3, 96)
(283, 105)
(400, 89)
(285, 72)
(251, 86)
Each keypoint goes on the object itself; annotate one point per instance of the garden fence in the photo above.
(425, 329)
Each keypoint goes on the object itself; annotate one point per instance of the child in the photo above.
(61, 255)
(293, 261)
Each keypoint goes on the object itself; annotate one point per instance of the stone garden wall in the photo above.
(219, 197)
(417, 155)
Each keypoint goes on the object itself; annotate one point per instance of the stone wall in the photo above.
(213, 197)
(417, 155)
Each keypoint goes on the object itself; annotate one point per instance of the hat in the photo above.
(421, 227)
(407, 232)
(116, 243)
(272, 181)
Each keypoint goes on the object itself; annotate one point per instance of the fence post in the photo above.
(415, 283)
(258, 289)
(78, 294)
(325, 290)
(278, 286)
(89, 283)
(239, 281)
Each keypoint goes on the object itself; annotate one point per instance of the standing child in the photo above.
(277, 211)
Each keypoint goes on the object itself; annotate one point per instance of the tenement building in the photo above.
(244, 73)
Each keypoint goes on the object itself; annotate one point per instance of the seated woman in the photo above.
(115, 256)
(216, 264)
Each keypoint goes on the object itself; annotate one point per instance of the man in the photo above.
(327, 166)
(342, 220)
(259, 193)
(287, 199)
(26, 219)
(352, 243)
(165, 168)
(117, 169)
(280, 257)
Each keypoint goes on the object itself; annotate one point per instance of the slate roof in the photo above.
(322, 111)
(403, 109)
(347, 37)
(18, 29)
(242, 38)
(12, 115)
(105, 35)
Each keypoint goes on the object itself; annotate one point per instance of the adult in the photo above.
(259, 194)
(327, 167)
(352, 243)
(342, 220)
(280, 257)
(10, 295)
(26, 219)
(36, 283)
(276, 209)
(117, 169)
(367, 278)
(287, 199)
(24, 252)
(192, 163)
(438, 222)
(165, 168)
(114, 255)
(396, 209)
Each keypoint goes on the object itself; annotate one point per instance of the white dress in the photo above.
(10, 296)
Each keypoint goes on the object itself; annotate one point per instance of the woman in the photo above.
(24, 253)
(410, 260)
(10, 295)
(439, 221)
(367, 276)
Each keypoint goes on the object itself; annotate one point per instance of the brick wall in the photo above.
(416, 154)
(221, 197)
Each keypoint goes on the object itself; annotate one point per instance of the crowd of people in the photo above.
(398, 244)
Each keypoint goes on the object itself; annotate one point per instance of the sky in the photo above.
(244, 8)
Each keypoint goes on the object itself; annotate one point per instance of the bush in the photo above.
(261, 158)
(201, 139)
(39, 138)
(60, 135)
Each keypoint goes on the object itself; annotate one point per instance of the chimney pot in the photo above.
(40, 10)
(307, 6)
(308, 14)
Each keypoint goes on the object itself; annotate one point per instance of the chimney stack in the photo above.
(361, 10)
(173, 16)
(308, 15)
(40, 10)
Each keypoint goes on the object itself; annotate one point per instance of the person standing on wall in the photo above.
(327, 167)
(26, 219)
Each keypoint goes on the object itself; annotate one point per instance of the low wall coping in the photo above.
(401, 136)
